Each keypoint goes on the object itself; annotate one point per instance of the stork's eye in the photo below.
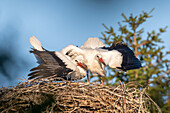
(76, 60)
(97, 56)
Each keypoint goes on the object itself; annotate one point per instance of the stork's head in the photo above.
(81, 64)
(100, 59)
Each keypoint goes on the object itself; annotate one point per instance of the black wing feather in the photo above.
(129, 59)
(52, 65)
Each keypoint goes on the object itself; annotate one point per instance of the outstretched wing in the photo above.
(129, 60)
(54, 63)
(72, 52)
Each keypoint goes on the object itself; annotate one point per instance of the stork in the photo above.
(97, 56)
(55, 64)
(95, 63)
(91, 56)
(118, 55)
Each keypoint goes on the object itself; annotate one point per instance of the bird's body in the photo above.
(112, 58)
(92, 62)
(97, 56)
(118, 55)
(55, 64)
(88, 55)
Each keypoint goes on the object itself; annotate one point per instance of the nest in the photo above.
(54, 97)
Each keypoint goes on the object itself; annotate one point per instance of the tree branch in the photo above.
(167, 72)
(136, 51)
(144, 43)
(135, 44)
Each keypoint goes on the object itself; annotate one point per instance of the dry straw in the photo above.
(50, 96)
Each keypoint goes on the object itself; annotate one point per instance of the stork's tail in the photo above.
(36, 43)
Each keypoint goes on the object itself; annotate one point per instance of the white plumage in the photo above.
(119, 55)
(93, 43)
(90, 54)
(97, 56)
(36, 43)
(111, 58)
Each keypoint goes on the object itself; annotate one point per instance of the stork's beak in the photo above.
(82, 65)
(101, 61)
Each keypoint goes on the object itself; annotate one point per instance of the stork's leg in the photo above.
(101, 80)
(87, 77)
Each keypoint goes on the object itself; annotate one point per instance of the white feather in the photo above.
(36, 43)
(69, 63)
(112, 58)
(71, 48)
(93, 43)
(91, 61)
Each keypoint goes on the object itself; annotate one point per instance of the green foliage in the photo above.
(155, 71)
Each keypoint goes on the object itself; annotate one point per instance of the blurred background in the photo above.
(57, 23)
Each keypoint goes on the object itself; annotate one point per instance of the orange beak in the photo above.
(82, 65)
(101, 60)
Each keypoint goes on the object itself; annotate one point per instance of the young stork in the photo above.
(95, 63)
(97, 56)
(55, 64)
(91, 56)
(118, 55)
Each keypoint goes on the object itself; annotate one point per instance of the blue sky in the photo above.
(57, 23)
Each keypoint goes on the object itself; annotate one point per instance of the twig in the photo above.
(154, 103)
